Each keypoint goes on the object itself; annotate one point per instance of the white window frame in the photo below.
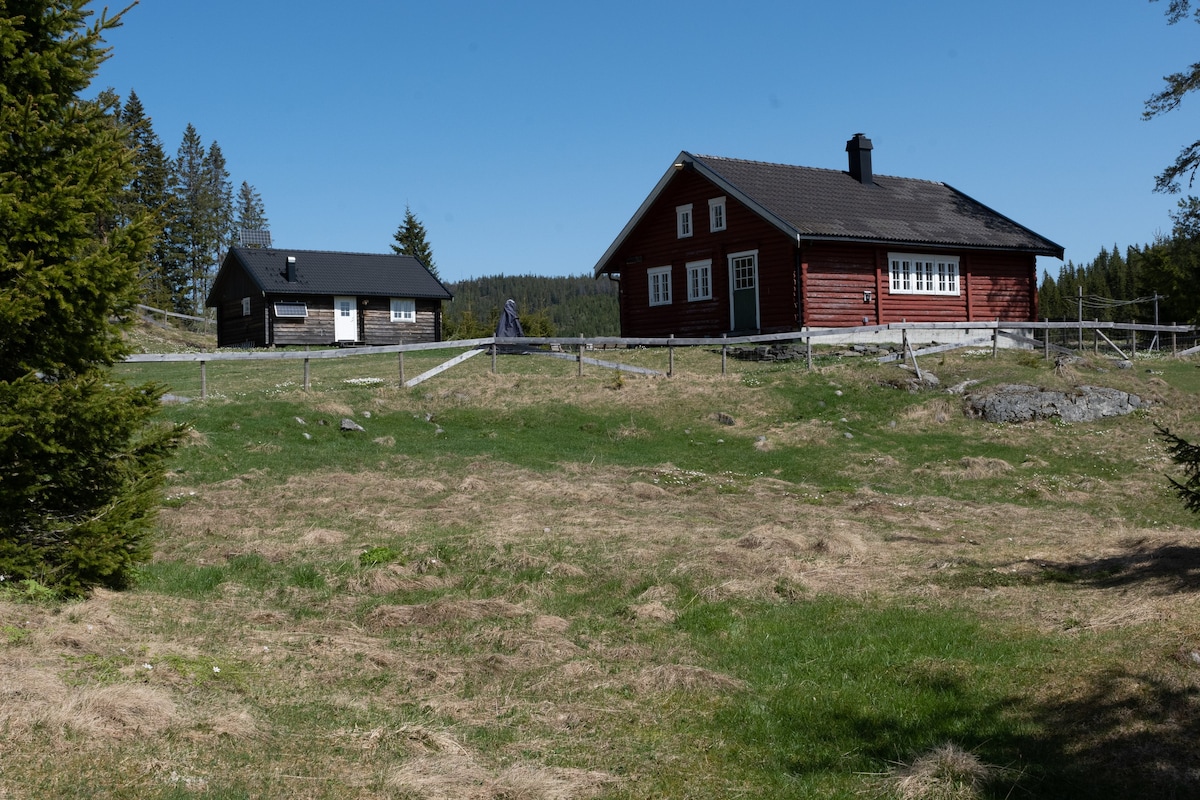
(684, 223)
(245, 306)
(291, 309)
(659, 285)
(699, 280)
(716, 214)
(914, 273)
(404, 309)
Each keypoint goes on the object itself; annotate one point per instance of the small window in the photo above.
(716, 214)
(683, 221)
(404, 309)
(744, 267)
(699, 280)
(290, 310)
(660, 286)
(245, 306)
(918, 274)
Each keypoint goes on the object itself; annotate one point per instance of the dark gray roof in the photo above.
(325, 273)
(829, 204)
(808, 203)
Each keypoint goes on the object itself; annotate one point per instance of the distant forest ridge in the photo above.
(570, 305)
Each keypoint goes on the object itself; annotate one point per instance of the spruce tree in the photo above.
(193, 215)
(251, 215)
(81, 456)
(151, 190)
(410, 241)
(1186, 455)
(220, 196)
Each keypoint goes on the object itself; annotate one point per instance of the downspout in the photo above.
(800, 279)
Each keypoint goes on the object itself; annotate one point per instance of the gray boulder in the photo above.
(1020, 403)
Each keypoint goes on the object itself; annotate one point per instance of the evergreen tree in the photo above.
(204, 213)
(1179, 85)
(1186, 455)
(251, 215)
(81, 459)
(151, 190)
(220, 193)
(193, 215)
(410, 241)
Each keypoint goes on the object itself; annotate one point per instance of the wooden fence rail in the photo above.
(1021, 332)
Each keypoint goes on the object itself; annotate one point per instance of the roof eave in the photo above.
(1054, 250)
(686, 158)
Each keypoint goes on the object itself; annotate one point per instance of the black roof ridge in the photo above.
(815, 169)
(323, 252)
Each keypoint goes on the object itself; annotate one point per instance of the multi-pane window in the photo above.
(699, 274)
(683, 221)
(404, 309)
(917, 274)
(743, 271)
(716, 214)
(660, 286)
(245, 306)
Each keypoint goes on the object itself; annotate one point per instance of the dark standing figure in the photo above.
(510, 323)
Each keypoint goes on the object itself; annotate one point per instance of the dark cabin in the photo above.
(729, 246)
(268, 297)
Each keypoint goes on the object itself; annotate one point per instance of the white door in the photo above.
(345, 319)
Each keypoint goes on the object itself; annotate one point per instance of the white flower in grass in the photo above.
(147, 666)
(216, 670)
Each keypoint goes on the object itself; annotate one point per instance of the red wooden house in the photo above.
(729, 246)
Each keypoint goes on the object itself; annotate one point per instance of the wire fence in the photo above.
(1120, 340)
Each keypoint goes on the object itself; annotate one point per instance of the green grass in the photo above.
(646, 635)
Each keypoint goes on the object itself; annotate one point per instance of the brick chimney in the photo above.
(859, 149)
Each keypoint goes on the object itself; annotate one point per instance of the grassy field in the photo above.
(529, 584)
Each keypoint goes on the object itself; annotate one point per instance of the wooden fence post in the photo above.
(1174, 343)
(724, 355)
(493, 358)
(996, 339)
(1046, 342)
(203, 381)
(579, 365)
(671, 357)
(401, 355)
(1132, 344)
(306, 382)
(808, 349)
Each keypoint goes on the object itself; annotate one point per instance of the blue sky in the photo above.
(525, 134)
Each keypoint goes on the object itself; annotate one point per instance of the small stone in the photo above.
(350, 425)
(307, 435)
(366, 414)
(300, 421)
(848, 435)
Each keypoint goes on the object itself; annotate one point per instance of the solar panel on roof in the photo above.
(249, 238)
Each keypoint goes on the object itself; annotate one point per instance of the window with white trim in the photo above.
(660, 286)
(909, 273)
(683, 221)
(296, 309)
(699, 280)
(245, 306)
(744, 266)
(716, 214)
(404, 309)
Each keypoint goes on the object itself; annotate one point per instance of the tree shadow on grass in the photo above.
(1120, 736)
(1170, 567)
(1123, 735)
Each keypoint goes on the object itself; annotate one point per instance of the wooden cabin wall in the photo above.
(655, 243)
